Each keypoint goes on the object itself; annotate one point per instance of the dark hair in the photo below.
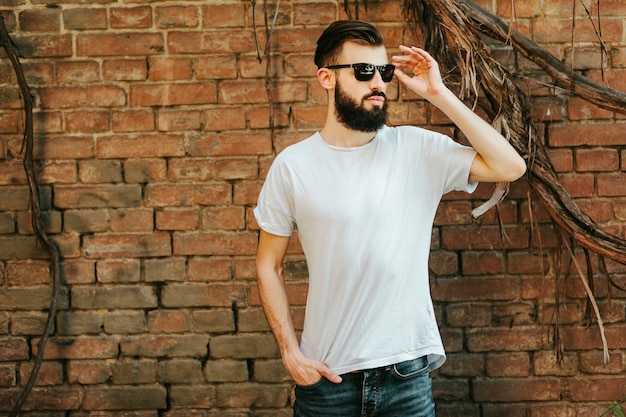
(330, 43)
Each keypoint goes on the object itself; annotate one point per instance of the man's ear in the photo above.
(326, 78)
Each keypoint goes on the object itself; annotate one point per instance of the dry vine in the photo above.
(452, 29)
(36, 214)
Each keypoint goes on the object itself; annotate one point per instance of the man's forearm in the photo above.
(501, 159)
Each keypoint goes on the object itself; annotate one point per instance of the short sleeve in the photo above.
(275, 208)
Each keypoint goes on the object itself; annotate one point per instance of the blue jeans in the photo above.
(400, 390)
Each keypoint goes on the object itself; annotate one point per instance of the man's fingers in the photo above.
(330, 375)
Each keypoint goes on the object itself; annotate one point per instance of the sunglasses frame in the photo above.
(359, 77)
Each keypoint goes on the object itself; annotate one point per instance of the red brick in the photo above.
(250, 67)
(78, 72)
(510, 390)
(221, 42)
(547, 363)
(611, 185)
(167, 345)
(468, 314)
(215, 67)
(144, 170)
(51, 399)
(190, 170)
(451, 389)
(215, 243)
(592, 362)
(118, 270)
(165, 69)
(508, 364)
(178, 120)
(236, 92)
(86, 121)
(231, 143)
(579, 109)
(223, 16)
(173, 94)
(79, 271)
(88, 372)
(132, 220)
(132, 121)
(309, 117)
(79, 97)
(99, 196)
(125, 69)
(127, 245)
(505, 339)
(125, 398)
(562, 159)
(81, 347)
(259, 117)
(176, 17)
(484, 262)
(472, 289)
(596, 389)
(58, 173)
(145, 146)
(87, 18)
(14, 348)
(44, 46)
(131, 17)
(560, 30)
(578, 185)
(236, 169)
(166, 321)
(443, 263)
(27, 273)
(12, 174)
(177, 219)
(50, 373)
(484, 237)
(315, 13)
(224, 118)
(597, 159)
(463, 364)
(223, 218)
(119, 44)
(8, 123)
(40, 20)
(177, 195)
(591, 134)
(296, 40)
(209, 269)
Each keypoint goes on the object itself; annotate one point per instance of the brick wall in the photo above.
(152, 128)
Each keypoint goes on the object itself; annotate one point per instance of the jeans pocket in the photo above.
(311, 386)
(411, 368)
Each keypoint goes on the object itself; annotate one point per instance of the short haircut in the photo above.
(330, 43)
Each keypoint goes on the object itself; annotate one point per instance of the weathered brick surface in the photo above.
(153, 140)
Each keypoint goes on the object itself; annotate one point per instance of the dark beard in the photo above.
(354, 116)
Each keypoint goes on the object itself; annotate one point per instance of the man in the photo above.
(363, 197)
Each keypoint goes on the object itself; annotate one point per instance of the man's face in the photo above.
(361, 105)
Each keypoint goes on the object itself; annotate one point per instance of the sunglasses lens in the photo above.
(386, 72)
(364, 72)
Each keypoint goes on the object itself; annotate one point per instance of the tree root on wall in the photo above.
(36, 214)
(452, 29)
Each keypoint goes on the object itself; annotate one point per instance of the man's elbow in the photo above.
(514, 171)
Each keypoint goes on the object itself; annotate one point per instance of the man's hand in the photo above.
(305, 371)
(426, 80)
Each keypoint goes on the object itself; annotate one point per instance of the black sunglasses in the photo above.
(365, 72)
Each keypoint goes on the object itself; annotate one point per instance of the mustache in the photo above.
(374, 94)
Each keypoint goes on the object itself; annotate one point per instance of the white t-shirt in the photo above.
(364, 217)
